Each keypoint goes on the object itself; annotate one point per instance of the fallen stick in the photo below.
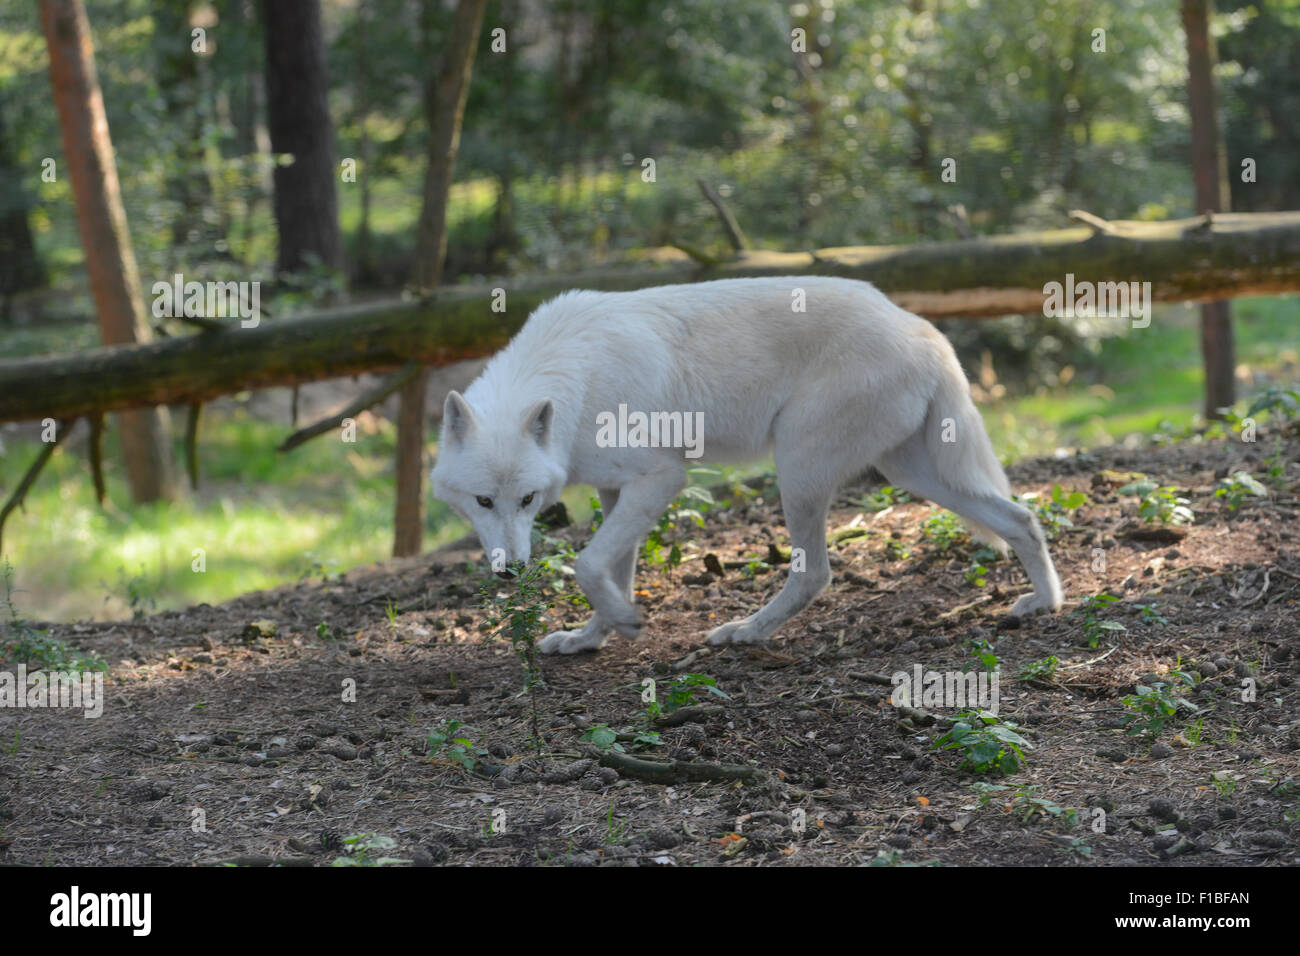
(376, 395)
(871, 678)
(982, 599)
(696, 713)
(672, 771)
(258, 859)
(61, 430)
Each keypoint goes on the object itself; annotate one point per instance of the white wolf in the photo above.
(850, 382)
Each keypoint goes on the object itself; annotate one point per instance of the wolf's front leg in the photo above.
(605, 568)
(593, 635)
(590, 637)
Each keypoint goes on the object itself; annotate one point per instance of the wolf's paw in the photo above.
(628, 626)
(573, 642)
(1030, 604)
(742, 631)
(624, 617)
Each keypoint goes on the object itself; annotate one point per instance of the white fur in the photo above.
(851, 382)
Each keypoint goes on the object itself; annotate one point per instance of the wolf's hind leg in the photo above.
(910, 466)
(805, 517)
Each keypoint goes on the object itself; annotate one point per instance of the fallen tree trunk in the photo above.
(1192, 259)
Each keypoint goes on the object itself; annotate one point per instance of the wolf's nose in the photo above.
(506, 575)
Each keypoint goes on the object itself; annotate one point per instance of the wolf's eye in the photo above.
(485, 501)
(528, 499)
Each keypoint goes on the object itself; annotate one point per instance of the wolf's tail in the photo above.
(960, 447)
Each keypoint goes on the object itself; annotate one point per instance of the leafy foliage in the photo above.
(988, 744)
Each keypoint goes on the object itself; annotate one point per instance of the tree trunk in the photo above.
(20, 266)
(110, 260)
(297, 101)
(177, 72)
(445, 108)
(1210, 167)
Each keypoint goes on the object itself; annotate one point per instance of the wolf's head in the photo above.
(498, 475)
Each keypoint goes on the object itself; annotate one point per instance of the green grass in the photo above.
(1144, 378)
(260, 518)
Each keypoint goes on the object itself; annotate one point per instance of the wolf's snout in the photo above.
(506, 575)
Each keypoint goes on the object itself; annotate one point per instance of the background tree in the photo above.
(297, 97)
(1210, 169)
(110, 260)
(176, 66)
(1262, 101)
(444, 108)
(20, 266)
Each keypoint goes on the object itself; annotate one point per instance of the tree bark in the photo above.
(1236, 254)
(1210, 168)
(445, 108)
(297, 100)
(110, 260)
(20, 266)
(177, 72)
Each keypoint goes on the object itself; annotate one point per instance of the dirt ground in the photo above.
(221, 743)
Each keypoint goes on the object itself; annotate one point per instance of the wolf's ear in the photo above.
(457, 417)
(538, 422)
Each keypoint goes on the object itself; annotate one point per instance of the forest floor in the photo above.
(225, 735)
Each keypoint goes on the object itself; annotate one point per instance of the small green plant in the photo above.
(1150, 708)
(1079, 848)
(1234, 491)
(1223, 784)
(615, 830)
(139, 593)
(1159, 503)
(603, 737)
(324, 633)
(460, 749)
(557, 557)
(1094, 626)
(1150, 615)
(390, 612)
(1027, 804)
(984, 652)
(1280, 403)
(1040, 671)
(24, 644)
(895, 550)
(679, 693)
(519, 614)
(1053, 512)
(662, 546)
(312, 567)
(977, 572)
(988, 745)
(361, 849)
(943, 530)
(886, 497)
